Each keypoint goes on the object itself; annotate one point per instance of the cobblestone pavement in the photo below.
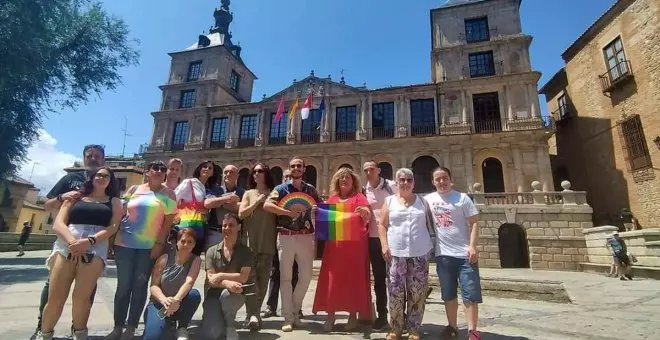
(602, 308)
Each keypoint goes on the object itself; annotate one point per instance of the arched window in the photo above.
(309, 176)
(493, 175)
(243, 176)
(423, 168)
(386, 170)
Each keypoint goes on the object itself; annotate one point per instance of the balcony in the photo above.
(279, 140)
(616, 75)
(345, 136)
(177, 147)
(477, 38)
(425, 130)
(561, 113)
(245, 142)
(311, 138)
(217, 144)
(381, 132)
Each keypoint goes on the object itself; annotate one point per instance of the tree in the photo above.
(54, 54)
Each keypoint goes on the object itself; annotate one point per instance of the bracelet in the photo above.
(92, 240)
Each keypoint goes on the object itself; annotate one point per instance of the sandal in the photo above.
(449, 333)
(393, 336)
(413, 336)
(474, 335)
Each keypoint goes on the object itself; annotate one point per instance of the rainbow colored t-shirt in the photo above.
(145, 211)
(190, 195)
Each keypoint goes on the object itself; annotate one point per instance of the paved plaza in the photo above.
(602, 308)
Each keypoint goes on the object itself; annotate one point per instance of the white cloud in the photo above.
(48, 163)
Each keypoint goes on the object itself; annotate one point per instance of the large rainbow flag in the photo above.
(338, 222)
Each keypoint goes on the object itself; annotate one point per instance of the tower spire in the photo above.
(223, 17)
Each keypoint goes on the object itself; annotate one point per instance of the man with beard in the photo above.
(66, 189)
(293, 245)
(219, 208)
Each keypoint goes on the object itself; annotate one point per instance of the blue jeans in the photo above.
(453, 271)
(154, 326)
(133, 272)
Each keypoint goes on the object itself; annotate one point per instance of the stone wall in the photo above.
(644, 244)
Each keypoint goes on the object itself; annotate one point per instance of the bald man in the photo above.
(229, 187)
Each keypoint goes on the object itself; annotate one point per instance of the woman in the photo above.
(173, 299)
(260, 230)
(344, 278)
(173, 175)
(406, 245)
(190, 196)
(151, 208)
(83, 228)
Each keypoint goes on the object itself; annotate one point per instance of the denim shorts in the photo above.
(453, 271)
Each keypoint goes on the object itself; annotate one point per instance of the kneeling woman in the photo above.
(83, 228)
(173, 299)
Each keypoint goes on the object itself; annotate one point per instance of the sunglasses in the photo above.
(295, 166)
(405, 180)
(159, 168)
(102, 176)
(259, 171)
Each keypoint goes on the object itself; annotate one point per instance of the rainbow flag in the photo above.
(338, 222)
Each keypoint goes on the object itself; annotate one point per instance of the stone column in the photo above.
(464, 107)
(403, 161)
(533, 101)
(370, 115)
(469, 169)
(503, 99)
(325, 121)
(205, 128)
(361, 131)
(446, 159)
(443, 109)
(509, 103)
(517, 168)
(324, 181)
(436, 111)
(544, 167)
(259, 141)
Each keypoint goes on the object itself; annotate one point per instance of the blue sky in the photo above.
(380, 42)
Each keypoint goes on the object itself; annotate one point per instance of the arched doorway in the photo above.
(277, 175)
(386, 170)
(423, 168)
(512, 242)
(309, 176)
(493, 175)
(243, 176)
(345, 165)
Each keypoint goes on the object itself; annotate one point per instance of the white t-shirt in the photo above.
(450, 214)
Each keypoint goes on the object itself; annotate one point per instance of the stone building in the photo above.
(606, 100)
(478, 116)
(128, 171)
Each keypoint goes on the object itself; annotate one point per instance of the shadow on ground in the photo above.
(22, 261)
(10, 276)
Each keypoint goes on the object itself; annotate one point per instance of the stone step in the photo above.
(10, 247)
(637, 271)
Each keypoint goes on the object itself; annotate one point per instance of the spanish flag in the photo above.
(294, 109)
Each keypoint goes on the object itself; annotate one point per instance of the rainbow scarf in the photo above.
(338, 222)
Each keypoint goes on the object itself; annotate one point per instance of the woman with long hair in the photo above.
(151, 208)
(173, 298)
(173, 175)
(260, 235)
(343, 284)
(190, 197)
(83, 228)
(406, 245)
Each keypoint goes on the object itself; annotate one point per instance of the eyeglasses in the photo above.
(159, 168)
(404, 180)
(259, 171)
(102, 176)
(295, 166)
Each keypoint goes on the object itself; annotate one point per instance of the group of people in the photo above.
(159, 230)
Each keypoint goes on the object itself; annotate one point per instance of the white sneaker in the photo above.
(45, 336)
(80, 335)
(181, 334)
(287, 327)
(115, 334)
(253, 323)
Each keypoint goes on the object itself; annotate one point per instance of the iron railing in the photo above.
(615, 75)
(245, 142)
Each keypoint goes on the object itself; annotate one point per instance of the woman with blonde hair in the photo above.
(343, 283)
(173, 174)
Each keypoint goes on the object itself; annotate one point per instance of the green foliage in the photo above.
(54, 54)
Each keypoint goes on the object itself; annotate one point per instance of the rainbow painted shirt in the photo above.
(145, 211)
(190, 195)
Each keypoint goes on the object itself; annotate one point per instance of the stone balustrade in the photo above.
(644, 244)
(535, 197)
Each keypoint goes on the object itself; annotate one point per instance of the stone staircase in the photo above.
(9, 241)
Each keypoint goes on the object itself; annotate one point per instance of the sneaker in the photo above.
(128, 334)
(253, 323)
(474, 335)
(115, 334)
(449, 333)
(232, 334)
(628, 276)
(297, 323)
(268, 313)
(45, 336)
(181, 334)
(287, 327)
(380, 323)
(80, 334)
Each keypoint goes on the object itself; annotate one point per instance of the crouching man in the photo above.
(228, 266)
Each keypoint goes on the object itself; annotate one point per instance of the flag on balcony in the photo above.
(280, 110)
(294, 108)
(322, 108)
(306, 107)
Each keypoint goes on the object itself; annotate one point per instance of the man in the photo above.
(619, 251)
(455, 219)
(228, 266)
(224, 199)
(293, 245)
(274, 285)
(66, 189)
(25, 234)
(377, 190)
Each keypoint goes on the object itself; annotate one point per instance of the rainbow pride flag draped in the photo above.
(338, 222)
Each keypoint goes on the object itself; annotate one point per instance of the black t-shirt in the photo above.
(70, 182)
